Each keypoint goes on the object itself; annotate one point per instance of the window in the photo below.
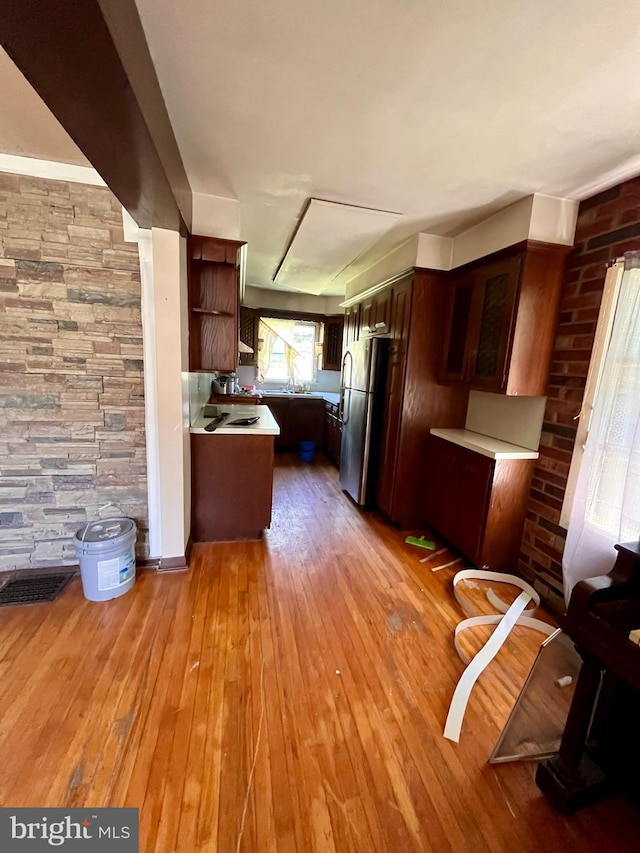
(603, 504)
(288, 350)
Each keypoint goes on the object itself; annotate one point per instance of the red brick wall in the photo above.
(608, 225)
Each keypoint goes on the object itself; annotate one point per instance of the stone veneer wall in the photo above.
(608, 225)
(71, 383)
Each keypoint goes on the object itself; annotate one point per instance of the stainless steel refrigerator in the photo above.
(362, 398)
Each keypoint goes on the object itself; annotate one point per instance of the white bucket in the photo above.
(106, 550)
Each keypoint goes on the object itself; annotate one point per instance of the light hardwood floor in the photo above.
(283, 695)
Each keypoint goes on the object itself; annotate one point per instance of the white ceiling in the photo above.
(329, 236)
(443, 110)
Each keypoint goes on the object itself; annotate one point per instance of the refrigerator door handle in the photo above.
(343, 383)
(347, 356)
(346, 412)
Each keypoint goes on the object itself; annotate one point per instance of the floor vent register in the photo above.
(34, 589)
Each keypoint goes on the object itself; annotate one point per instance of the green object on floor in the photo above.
(421, 542)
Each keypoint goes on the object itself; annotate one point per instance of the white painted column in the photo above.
(163, 270)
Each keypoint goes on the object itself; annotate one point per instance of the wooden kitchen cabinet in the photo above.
(366, 316)
(375, 313)
(236, 399)
(332, 439)
(441, 488)
(332, 343)
(480, 323)
(224, 465)
(306, 419)
(415, 401)
(249, 320)
(489, 325)
(492, 321)
(501, 320)
(280, 409)
(391, 480)
(214, 281)
(381, 312)
(299, 419)
(475, 473)
(458, 326)
(351, 324)
(411, 307)
(477, 503)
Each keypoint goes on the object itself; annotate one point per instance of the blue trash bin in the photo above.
(307, 450)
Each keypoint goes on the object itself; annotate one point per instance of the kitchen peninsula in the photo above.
(232, 474)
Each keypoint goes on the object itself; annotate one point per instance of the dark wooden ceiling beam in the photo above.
(67, 51)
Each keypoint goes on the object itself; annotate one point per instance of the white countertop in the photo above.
(267, 425)
(494, 448)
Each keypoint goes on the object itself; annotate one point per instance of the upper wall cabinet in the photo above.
(351, 324)
(501, 320)
(249, 320)
(332, 343)
(375, 313)
(214, 303)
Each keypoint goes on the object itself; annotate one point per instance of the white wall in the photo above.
(536, 217)
(165, 335)
(287, 300)
(400, 259)
(326, 380)
(216, 216)
(517, 420)
(184, 388)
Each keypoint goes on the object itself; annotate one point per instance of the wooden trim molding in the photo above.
(151, 565)
(176, 564)
(172, 564)
(376, 288)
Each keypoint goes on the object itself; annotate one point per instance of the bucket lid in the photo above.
(105, 529)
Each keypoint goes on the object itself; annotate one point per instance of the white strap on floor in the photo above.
(495, 619)
(494, 577)
(513, 615)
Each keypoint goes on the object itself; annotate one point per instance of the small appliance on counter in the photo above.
(226, 383)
